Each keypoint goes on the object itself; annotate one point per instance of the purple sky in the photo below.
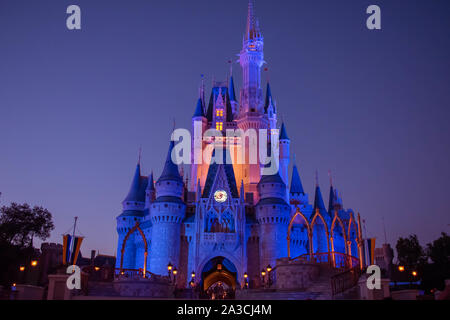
(372, 106)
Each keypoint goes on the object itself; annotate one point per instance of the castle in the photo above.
(229, 221)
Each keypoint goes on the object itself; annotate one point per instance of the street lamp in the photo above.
(22, 268)
(269, 268)
(34, 263)
(245, 280)
(401, 268)
(193, 274)
(414, 273)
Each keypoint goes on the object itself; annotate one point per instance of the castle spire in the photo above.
(252, 30)
(151, 182)
(296, 183)
(269, 99)
(283, 133)
(231, 90)
(170, 171)
(318, 201)
(199, 109)
(134, 194)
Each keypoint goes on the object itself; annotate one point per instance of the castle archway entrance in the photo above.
(219, 278)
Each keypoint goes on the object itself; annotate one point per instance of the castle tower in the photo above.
(284, 154)
(199, 123)
(251, 60)
(251, 113)
(296, 193)
(166, 214)
(272, 214)
(133, 207)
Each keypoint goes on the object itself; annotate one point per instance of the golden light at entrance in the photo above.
(220, 196)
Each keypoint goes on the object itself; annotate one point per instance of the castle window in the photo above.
(219, 113)
(219, 126)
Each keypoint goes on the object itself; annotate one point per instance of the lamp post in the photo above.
(269, 280)
(263, 278)
(175, 272)
(245, 280)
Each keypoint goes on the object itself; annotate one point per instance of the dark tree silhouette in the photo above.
(409, 251)
(20, 224)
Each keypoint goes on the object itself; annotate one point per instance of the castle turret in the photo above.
(272, 214)
(167, 213)
(296, 193)
(199, 123)
(133, 211)
(284, 154)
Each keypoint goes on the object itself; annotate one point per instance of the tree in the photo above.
(409, 251)
(439, 250)
(19, 224)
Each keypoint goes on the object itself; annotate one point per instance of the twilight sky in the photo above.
(371, 106)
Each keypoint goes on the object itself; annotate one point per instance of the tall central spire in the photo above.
(252, 30)
(251, 59)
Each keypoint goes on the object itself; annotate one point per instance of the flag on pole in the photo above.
(371, 250)
(67, 239)
(76, 249)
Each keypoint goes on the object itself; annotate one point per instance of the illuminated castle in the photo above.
(228, 216)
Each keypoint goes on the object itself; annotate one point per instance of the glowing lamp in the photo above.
(269, 268)
(22, 268)
(193, 274)
(34, 263)
(175, 271)
(169, 266)
(414, 273)
(97, 268)
(401, 268)
(245, 275)
(263, 273)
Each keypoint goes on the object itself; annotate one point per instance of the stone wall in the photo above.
(295, 275)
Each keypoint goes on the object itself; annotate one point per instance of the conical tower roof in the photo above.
(135, 194)
(283, 133)
(318, 200)
(231, 91)
(199, 109)
(170, 171)
(296, 183)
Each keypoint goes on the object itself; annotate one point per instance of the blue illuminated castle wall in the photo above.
(180, 222)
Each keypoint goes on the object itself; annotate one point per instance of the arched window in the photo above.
(211, 221)
(227, 222)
